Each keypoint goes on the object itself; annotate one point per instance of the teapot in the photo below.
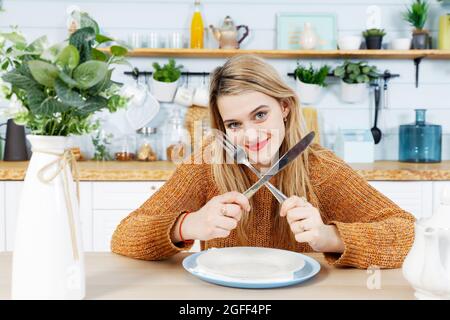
(228, 34)
(427, 265)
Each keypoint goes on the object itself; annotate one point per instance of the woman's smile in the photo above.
(257, 146)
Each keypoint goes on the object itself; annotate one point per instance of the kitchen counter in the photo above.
(162, 170)
(110, 276)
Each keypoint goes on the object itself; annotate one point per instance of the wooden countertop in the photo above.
(162, 170)
(110, 276)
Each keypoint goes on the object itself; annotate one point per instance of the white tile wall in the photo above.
(120, 18)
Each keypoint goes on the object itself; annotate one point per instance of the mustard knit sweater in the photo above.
(375, 231)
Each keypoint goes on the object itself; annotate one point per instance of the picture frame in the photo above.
(290, 25)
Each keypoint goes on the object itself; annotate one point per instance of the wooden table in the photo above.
(110, 276)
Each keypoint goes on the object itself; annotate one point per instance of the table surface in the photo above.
(162, 170)
(111, 276)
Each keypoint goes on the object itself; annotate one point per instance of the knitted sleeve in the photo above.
(145, 232)
(375, 231)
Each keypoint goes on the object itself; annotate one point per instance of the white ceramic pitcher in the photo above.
(427, 266)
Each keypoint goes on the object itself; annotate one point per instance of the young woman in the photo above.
(330, 209)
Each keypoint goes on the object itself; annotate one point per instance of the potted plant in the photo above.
(374, 38)
(165, 80)
(55, 90)
(310, 82)
(417, 15)
(354, 79)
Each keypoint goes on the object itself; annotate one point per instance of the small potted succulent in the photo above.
(374, 38)
(165, 80)
(355, 77)
(310, 82)
(417, 15)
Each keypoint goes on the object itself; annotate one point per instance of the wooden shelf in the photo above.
(292, 54)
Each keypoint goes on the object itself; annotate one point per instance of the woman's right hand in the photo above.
(216, 218)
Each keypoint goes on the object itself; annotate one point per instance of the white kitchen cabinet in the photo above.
(104, 204)
(415, 197)
(113, 201)
(104, 224)
(2, 217)
(122, 195)
(438, 187)
(86, 214)
(13, 190)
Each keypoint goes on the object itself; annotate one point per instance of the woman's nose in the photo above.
(251, 135)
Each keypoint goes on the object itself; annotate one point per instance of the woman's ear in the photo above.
(285, 108)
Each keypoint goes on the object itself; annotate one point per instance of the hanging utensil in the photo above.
(376, 132)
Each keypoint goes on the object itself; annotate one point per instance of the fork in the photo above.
(238, 153)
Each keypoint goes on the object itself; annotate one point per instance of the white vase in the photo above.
(164, 91)
(308, 37)
(48, 260)
(353, 92)
(308, 93)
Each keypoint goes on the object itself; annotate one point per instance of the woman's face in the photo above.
(254, 121)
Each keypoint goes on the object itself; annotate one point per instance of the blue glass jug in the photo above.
(420, 141)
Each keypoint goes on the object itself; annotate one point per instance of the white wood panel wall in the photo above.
(121, 18)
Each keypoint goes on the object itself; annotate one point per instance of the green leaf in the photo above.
(92, 105)
(68, 57)
(49, 106)
(18, 80)
(38, 45)
(5, 65)
(339, 72)
(43, 72)
(83, 40)
(118, 51)
(67, 80)
(67, 95)
(35, 96)
(89, 73)
(99, 55)
(15, 38)
(102, 39)
(362, 78)
(102, 85)
(87, 21)
(52, 53)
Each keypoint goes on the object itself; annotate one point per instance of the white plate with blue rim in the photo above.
(251, 267)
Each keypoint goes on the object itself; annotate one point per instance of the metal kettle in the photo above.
(15, 142)
(228, 34)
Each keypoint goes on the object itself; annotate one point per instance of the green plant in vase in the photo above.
(165, 80)
(355, 76)
(374, 38)
(416, 15)
(169, 72)
(55, 91)
(310, 82)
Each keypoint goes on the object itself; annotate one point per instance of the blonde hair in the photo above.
(245, 73)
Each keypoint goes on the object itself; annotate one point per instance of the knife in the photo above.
(287, 158)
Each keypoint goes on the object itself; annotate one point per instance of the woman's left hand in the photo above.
(307, 225)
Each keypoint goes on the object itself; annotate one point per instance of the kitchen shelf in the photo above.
(292, 54)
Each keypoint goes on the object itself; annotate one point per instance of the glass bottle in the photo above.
(176, 138)
(146, 144)
(125, 148)
(197, 28)
(420, 141)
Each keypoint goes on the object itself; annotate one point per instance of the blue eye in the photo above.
(233, 125)
(261, 115)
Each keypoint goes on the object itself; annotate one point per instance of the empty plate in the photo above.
(251, 267)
